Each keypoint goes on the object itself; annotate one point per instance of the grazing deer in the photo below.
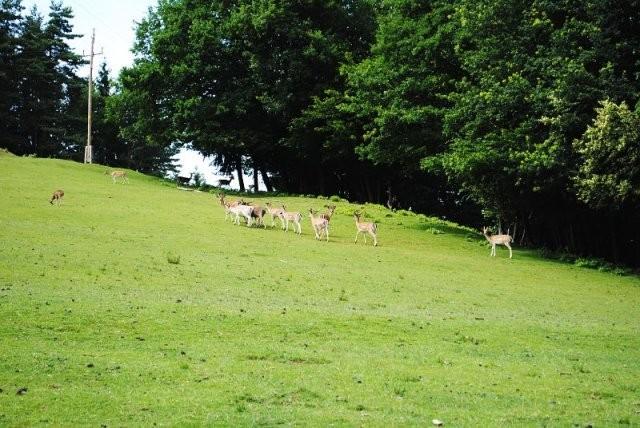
(320, 225)
(294, 217)
(498, 240)
(327, 216)
(275, 212)
(57, 196)
(118, 174)
(365, 227)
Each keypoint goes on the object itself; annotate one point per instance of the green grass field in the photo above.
(259, 327)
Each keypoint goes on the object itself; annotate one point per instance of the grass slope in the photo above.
(259, 327)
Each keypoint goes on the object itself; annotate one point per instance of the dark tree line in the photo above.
(520, 113)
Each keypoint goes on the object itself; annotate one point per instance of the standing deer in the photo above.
(182, 180)
(118, 174)
(258, 214)
(320, 225)
(224, 182)
(275, 212)
(294, 217)
(57, 196)
(327, 216)
(227, 205)
(365, 227)
(498, 240)
(245, 211)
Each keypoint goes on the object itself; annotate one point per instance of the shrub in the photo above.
(173, 259)
(406, 213)
(601, 265)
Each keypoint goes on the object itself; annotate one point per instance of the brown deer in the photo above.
(118, 174)
(498, 240)
(294, 217)
(57, 196)
(327, 216)
(258, 213)
(320, 225)
(366, 228)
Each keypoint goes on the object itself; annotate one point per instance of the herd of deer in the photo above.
(319, 221)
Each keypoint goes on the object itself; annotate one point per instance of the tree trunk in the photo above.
(239, 171)
(267, 181)
(320, 183)
(255, 178)
(614, 242)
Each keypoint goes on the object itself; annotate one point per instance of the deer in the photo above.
(57, 196)
(365, 228)
(224, 182)
(498, 240)
(181, 180)
(320, 225)
(275, 212)
(118, 174)
(226, 205)
(294, 217)
(327, 216)
(245, 211)
(258, 213)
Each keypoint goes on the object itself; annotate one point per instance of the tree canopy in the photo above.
(518, 113)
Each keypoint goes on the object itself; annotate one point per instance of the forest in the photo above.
(520, 114)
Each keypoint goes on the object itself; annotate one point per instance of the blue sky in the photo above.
(114, 22)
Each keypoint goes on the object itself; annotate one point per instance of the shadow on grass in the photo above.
(438, 227)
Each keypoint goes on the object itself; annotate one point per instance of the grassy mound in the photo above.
(137, 305)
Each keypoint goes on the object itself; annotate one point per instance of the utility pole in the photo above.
(88, 150)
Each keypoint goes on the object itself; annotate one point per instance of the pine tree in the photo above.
(9, 26)
(37, 90)
(48, 111)
(68, 125)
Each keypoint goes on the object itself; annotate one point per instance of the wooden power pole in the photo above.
(88, 150)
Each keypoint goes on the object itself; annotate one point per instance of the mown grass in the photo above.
(138, 305)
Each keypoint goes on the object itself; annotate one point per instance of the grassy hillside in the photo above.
(262, 327)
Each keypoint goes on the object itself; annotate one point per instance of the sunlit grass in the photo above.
(137, 304)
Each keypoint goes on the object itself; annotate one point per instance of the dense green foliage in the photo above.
(137, 304)
(610, 174)
(483, 111)
(40, 92)
(453, 107)
(43, 101)
(534, 73)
